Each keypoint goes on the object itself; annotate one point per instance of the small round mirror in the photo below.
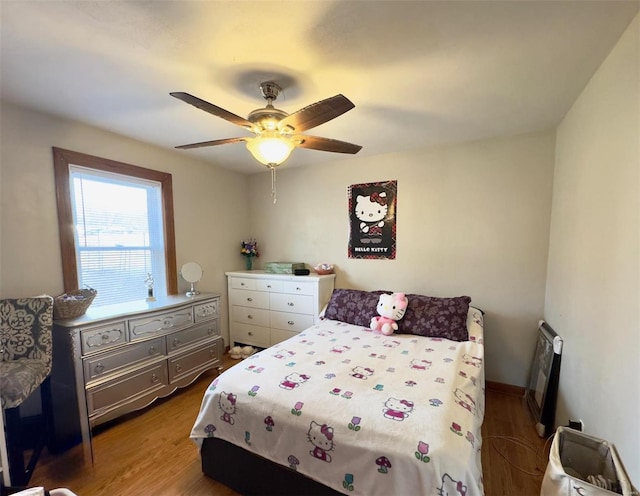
(192, 273)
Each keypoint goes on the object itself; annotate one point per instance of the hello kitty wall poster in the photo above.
(372, 216)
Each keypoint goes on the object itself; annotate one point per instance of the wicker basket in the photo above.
(73, 304)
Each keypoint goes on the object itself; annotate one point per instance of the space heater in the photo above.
(542, 391)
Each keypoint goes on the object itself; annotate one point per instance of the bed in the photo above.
(342, 409)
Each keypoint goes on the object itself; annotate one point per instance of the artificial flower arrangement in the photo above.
(250, 248)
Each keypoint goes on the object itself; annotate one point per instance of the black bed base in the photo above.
(250, 474)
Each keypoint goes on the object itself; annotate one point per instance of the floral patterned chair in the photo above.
(25, 364)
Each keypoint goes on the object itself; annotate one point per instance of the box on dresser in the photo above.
(282, 267)
(266, 308)
(120, 358)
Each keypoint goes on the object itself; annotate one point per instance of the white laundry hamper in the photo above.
(583, 465)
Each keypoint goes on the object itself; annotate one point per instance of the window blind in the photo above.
(119, 235)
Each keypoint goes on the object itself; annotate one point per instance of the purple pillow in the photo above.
(436, 317)
(353, 306)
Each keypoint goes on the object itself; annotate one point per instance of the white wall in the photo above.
(593, 292)
(472, 219)
(210, 204)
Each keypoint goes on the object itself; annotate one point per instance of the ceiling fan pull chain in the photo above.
(273, 185)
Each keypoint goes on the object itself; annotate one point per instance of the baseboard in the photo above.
(510, 389)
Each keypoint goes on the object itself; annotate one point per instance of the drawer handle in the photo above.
(249, 316)
(178, 367)
(250, 333)
(104, 337)
(212, 353)
(176, 341)
(210, 330)
(99, 367)
(154, 378)
(290, 303)
(249, 299)
(241, 284)
(269, 286)
(152, 350)
(290, 322)
(298, 289)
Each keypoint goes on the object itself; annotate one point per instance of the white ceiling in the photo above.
(420, 73)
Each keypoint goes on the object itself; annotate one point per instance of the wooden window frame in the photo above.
(62, 159)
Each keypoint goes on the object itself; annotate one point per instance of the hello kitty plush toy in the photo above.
(391, 308)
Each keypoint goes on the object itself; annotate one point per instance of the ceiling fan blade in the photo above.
(326, 144)
(212, 109)
(317, 113)
(212, 143)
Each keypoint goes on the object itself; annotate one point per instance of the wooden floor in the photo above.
(514, 458)
(150, 453)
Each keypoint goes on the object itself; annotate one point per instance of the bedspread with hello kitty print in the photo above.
(358, 411)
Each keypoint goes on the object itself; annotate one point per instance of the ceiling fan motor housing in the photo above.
(267, 118)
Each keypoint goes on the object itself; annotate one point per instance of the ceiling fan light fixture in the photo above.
(270, 148)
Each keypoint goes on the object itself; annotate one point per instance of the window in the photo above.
(116, 227)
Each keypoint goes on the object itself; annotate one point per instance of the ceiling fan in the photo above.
(278, 133)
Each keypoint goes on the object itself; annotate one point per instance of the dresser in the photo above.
(119, 358)
(265, 309)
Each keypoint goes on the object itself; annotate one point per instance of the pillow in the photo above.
(436, 317)
(353, 306)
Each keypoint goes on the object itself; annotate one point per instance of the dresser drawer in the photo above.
(127, 388)
(103, 337)
(250, 334)
(160, 323)
(279, 335)
(105, 363)
(205, 311)
(180, 339)
(194, 360)
(271, 286)
(295, 287)
(252, 299)
(243, 283)
(281, 302)
(291, 321)
(253, 316)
